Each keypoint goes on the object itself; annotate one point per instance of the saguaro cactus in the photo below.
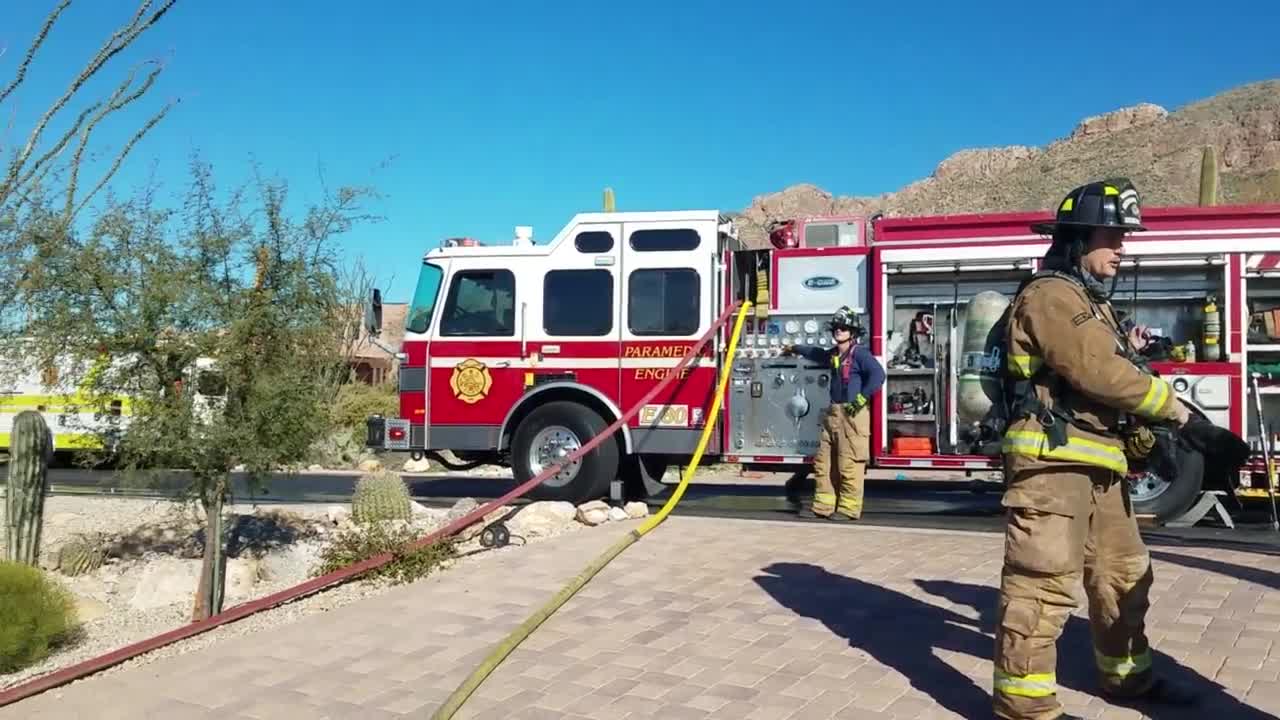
(1209, 176)
(30, 449)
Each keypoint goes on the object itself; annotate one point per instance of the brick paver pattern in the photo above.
(705, 618)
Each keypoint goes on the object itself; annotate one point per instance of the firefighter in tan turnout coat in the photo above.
(1079, 407)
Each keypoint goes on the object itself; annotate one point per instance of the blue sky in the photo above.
(496, 114)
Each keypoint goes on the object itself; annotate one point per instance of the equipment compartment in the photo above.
(925, 315)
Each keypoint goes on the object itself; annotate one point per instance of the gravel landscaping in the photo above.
(147, 582)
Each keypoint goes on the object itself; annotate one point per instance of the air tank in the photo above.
(981, 356)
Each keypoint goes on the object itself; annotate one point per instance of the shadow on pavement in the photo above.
(1263, 578)
(904, 633)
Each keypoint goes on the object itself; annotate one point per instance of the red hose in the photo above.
(115, 657)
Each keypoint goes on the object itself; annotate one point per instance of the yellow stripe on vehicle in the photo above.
(1032, 443)
(64, 441)
(61, 403)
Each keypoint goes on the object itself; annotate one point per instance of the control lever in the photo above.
(798, 407)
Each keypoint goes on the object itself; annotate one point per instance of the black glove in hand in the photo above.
(1220, 444)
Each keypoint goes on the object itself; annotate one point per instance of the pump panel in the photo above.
(777, 401)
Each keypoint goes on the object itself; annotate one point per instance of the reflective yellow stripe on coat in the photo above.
(1035, 685)
(1033, 443)
(1123, 667)
(1154, 402)
(1024, 366)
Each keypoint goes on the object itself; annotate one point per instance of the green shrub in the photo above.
(366, 541)
(356, 401)
(36, 615)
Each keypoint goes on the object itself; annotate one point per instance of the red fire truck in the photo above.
(518, 354)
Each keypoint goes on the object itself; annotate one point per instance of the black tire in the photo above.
(1153, 494)
(642, 476)
(556, 422)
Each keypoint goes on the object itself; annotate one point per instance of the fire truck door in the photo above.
(668, 303)
(475, 361)
(573, 332)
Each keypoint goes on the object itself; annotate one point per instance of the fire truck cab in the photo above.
(519, 354)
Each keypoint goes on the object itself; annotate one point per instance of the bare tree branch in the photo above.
(31, 51)
(118, 41)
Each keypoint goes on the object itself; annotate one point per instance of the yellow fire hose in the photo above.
(513, 640)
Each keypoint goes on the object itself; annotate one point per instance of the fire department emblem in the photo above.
(471, 381)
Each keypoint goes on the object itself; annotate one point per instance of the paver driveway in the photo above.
(704, 618)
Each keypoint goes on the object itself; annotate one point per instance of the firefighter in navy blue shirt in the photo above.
(845, 437)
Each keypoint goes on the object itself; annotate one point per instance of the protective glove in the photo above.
(854, 407)
(1224, 447)
(1138, 444)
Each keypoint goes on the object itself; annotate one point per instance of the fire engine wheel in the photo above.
(1168, 498)
(551, 433)
(642, 476)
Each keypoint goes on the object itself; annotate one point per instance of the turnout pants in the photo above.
(844, 444)
(1065, 525)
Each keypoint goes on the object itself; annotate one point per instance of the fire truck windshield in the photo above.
(424, 298)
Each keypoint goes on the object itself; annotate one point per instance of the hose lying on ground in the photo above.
(503, 649)
(115, 657)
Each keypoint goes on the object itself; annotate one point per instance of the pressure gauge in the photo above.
(811, 326)
(792, 327)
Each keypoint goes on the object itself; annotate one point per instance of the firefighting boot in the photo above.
(805, 510)
(1162, 692)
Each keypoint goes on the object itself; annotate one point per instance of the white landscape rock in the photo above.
(593, 513)
(163, 581)
(543, 519)
(617, 514)
(636, 509)
(336, 514)
(89, 609)
(417, 466)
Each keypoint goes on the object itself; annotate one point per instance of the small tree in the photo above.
(216, 320)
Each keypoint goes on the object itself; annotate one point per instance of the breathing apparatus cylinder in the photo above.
(1212, 330)
(979, 385)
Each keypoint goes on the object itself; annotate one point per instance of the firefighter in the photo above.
(1081, 406)
(844, 439)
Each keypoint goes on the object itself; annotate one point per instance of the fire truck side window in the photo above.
(577, 302)
(481, 302)
(594, 241)
(665, 240)
(664, 301)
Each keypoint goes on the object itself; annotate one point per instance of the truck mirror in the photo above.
(373, 313)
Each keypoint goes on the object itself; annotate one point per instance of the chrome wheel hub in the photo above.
(1147, 486)
(550, 447)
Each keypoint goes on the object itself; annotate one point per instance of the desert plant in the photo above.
(1209, 176)
(36, 615)
(380, 497)
(80, 555)
(373, 539)
(356, 401)
(31, 446)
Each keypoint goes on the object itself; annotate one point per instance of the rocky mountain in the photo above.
(1158, 149)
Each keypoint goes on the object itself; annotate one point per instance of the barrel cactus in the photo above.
(30, 449)
(380, 497)
(82, 554)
